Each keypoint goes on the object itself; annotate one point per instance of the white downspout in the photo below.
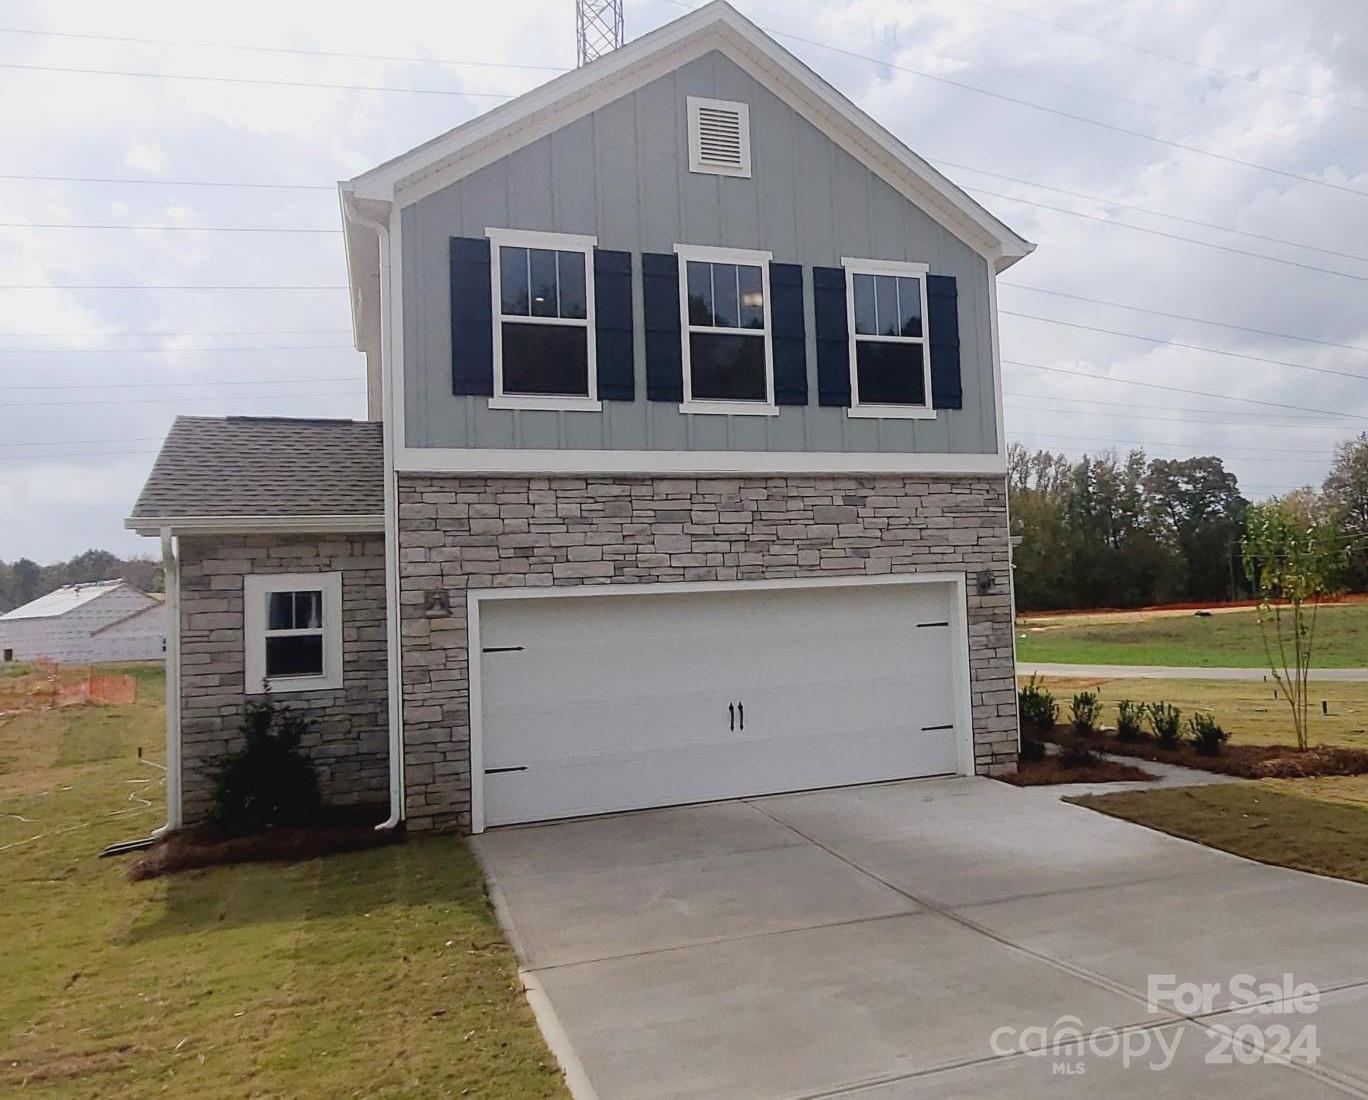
(171, 582)
(393, 658)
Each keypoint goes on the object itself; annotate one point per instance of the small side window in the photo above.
(890, 364)
(292, 624)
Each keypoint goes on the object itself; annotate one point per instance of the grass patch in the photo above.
(1244, 707)
(1225, 640)
(1255, 820)
(379, 973)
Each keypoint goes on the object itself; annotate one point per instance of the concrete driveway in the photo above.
(901, 940)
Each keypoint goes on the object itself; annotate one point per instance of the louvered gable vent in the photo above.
(719, 137)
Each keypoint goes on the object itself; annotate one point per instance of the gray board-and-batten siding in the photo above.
(621, 174)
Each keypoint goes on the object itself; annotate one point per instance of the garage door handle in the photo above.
(741, 714)
(731, 716)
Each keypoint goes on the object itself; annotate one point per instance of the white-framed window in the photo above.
(890, 354)
(292, 631)
(724, 303)
(719, 137)
(543, 288)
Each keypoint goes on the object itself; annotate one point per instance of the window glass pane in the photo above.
(889, 374)
(294, 655)
(545, 359)
(542, 275)
(513, 280)
(725, 308)
(727, 366)
(752, 290)
(909, 307)
(865, 323)
(572, 296)
(700, 293)
(886, 304)
(279, 610)
(308, 608)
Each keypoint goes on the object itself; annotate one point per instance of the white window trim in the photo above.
(559, 242)
(255, 588)
(857, 408)
(706, 254)
(693, 103)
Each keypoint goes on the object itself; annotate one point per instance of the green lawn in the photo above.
(1228, 639)
(379, 973)
(1246, 708)
(1260, 820)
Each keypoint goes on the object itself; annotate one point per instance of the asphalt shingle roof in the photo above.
(265, 466)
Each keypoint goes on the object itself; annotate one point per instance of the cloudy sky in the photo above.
(1230, 138)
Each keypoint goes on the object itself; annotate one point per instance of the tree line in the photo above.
(1113, 531)
(23, 580)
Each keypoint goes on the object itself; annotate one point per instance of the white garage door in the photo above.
(614, 702)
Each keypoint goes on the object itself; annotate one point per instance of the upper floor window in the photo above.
(725, 303)
(544, 320)
(890, 361)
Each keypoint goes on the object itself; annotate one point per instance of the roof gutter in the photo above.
(394, 657)
(171, 574)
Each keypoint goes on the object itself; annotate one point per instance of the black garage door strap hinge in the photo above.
(498, 771)
(921, 625)
(501, 649)
(932, 729)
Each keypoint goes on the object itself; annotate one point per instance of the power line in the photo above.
(1152, 213)
(182, 400)
(1188, 347)
(283, 50)
(168, 228)
(162, 385)
(173, 351)
(169, 286)
(1180, 389)
(1184, 317)
(1286, 423)
(75, 335)
(174, 183)
(78, 442)
(1226, 158)
(1322, 454)
(1170, 57)
(80, 454)
(261, 81)
(1130, 405)
(1170, 236)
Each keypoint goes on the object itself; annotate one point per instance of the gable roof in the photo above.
(276, 473)
(715, 26)
(157, 604)
(64, 599)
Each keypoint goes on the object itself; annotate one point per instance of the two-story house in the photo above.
(684, 477)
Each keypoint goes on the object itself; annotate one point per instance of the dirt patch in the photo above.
(207, 847)
(1244, 761)
(65, 1067)
(1054, 769)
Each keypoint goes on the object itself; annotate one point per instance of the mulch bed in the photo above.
(1039, 773)
(203, 846)
(1243, 761)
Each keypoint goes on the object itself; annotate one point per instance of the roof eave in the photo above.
(342, 523)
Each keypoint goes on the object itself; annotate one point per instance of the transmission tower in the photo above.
(598, 28)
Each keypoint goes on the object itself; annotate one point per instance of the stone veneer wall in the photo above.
(457, 533)
(349, 744)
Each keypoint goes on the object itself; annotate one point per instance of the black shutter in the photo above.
(942, 323)
(613, 325)
(790, 334)
(472, 322)
(833, 335)
(660, 303)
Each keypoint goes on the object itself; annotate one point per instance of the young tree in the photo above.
(1291, 562)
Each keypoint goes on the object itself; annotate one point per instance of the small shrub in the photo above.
(268, 782)
(1085, 709)
(1164, 719)
(1037, 705)
(1032, 750)
(1078, 756)
(1207, 737)
(1128, 716)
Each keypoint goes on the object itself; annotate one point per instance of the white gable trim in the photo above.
(717, 26)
